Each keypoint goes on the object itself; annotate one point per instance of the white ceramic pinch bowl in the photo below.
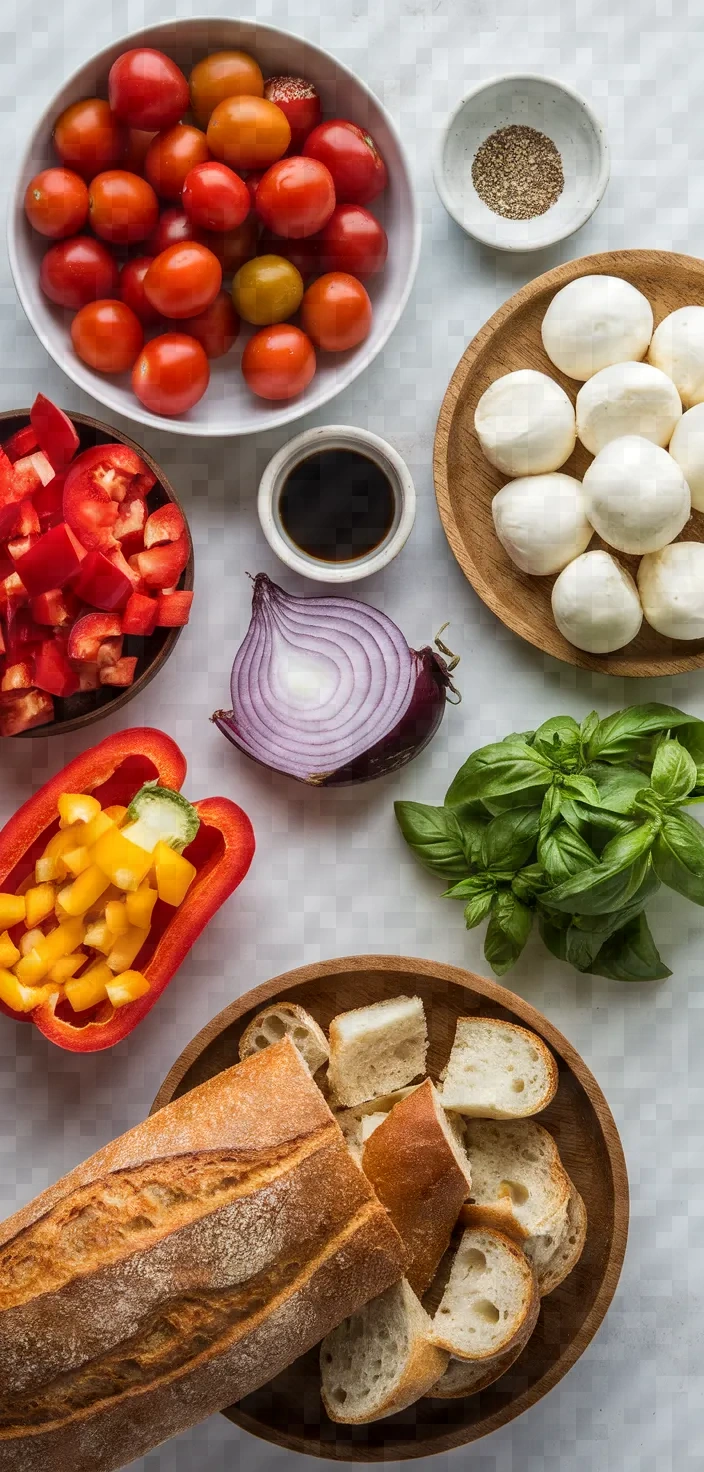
(228, 407)
(530, 101)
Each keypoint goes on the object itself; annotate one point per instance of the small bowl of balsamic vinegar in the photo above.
(337, 503)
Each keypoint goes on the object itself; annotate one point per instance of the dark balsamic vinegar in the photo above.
(337, 505)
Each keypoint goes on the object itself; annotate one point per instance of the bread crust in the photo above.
(549, 1064)
(566, 1255)
(468, 1377)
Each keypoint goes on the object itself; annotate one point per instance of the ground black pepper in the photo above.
(517, 172)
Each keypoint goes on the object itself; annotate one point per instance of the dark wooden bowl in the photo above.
(86, 707)
(288, 1411)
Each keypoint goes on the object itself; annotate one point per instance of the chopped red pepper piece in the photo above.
(48, 502)
(166, 524)
(21, 443)
(27, 523)
(20, 711)
(52, 671)
(89, 632)
(2, 641)
(89, 677)
(97, 481)
(54, 431)
(19, 545)
(162, 566)
(139, 616)
(18, 676)
(55, 558)
(116, 556)
(100, 584)
(173, 609)
(22, 632)
(55, 608)
(121, 673)
(109, 652)
(12, 492)
(130, 521)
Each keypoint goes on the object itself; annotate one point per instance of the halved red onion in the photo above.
(328, 691)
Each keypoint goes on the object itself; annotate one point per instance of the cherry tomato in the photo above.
(233, 247)
(267, 289)
(56, 203)
(122, 207)
(300, 102)
(136, 149)
(304, 254)
(253, 181)
(146, 89)
(132, 289)
(223, 74)
(107, 336)
(278, 362)
(171, 156)
(215, 198)
(76, 271)
(296, 197)
(171, 374)
(353, 241)
(336, 312)
(183, 280)
(216, 328)
(248, 132)
(88, 138)
(356, 165)
(173, 227)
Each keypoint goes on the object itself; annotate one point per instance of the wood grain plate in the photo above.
(465, 482)
(288, 1411)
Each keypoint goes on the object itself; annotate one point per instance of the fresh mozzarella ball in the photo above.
(595, 321)
(687, 448)
(627, 398)
(595, 603)
(540, 521)
(678, 349)
(525, 423)
(637, 498)
(671, 584)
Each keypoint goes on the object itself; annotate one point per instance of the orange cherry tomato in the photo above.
(216, 328)
(248, 132)
(171, 156)
(336, 312)
(107, 335)
(56, 203)
(122, 207)
(88, 137)
(183, 280)
(278, 362)
(223, 74)
(171, 374)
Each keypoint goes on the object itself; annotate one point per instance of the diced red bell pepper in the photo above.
(48, 502)
(121, 673)
(7, 566)
(89, 632)
(52, 671)
(173, 609)
(139, 616)
(19, 676)
(109, 652)
(162, 566)
(55, 558)
(13, 595)
(22, 632)
(2, 641)
(21, 443)
(130, 522)
(27, 523)
(116, 556)
(97, 481)
(20, 710)
(88, 677)
(56, 608)
(31, 472)
(54, 431)
(166, 524)
(18, 546)
(43, 467)
(12, 492)
(100, 584)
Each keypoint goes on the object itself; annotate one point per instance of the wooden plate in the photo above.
(465, 482)
(288, 1411)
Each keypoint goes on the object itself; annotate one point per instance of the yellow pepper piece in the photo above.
(117, 813)
(30, 939)
(124, 862)
(48, 871)
(66, 967)
(77, 807)
(116, 916)
(78, 860)
(126, 988)
(8, 950)
(126, 948)
(87, 990)
(59, 942)
(13, 909)
(139, 907)
(174, 874)
(59, 911)
(22, 998)
(78, 897)
(39, 903)
(99, 937)
(94, 830)
(64, 841)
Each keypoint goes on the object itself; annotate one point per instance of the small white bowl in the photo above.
(336, 437)
(535, 102)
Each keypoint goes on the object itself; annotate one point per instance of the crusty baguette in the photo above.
(376, 1049)
(350, 1120)
(422, 1176)
(182, 1267)
(491, 1301)
(554, 1257)
(286, 1019)
(519, 1184)
(380, 1360)
(497, 1070)
(468, 1377)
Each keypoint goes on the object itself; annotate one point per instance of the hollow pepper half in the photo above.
(222, 851)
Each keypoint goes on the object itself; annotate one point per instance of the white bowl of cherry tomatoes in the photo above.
(214, 228)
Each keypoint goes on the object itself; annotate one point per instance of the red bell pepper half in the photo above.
(222, 853)
(98, 481)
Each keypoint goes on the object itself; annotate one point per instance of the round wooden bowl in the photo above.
(86, 707)
(465, 482)
(288, 1411)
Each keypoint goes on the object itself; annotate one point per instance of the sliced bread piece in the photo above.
(376, 1049)
(286, 1019)
(351, 1120)
(468, 1377)
(491, 1301)
(379, 1360)
(497, 1070)
(421, 1174)
(519, 1184)
(554, 1257)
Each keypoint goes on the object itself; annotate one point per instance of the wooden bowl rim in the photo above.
(532, 1018)
(603, 263)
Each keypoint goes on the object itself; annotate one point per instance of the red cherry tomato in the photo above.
(56, 203)
(107, 336)
(253, 181)
(171, 156)
(76, 271)
(353, 241)
(216, 328)
(278, 362)
(183, 280)
(123, 208)
(136, 149)
(132, 289)
(336, 312)
(299, 102)
(356, 165)
(88, 137)
(214, 197)
(171, 374)
(233, 247)
(296, 197)
(146, 89)
(173, 227)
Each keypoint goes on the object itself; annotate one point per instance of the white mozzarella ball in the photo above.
(671, 584)
(627, 398)
(540, 521)
(637, 498)
(595, 321)
(678, 349)
(525, 423)
(595, 604)
(687, 448)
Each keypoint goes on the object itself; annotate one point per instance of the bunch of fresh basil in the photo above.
(574, 827)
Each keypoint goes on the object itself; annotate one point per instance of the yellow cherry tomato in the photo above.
(267, 289)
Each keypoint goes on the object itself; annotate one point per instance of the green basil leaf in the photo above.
(674, 772)
(558, 741)
(595, 825)
(553, 933)
(618, 734)
(563, 853)
(692, 737)
(528, 883)
(678, 856)
(630, 954)
(550, 811)
(435, 836)
(587, 933)
(507, 932)
(472, 885)
(471, 835)
(589, 725)
(582, 787)
(501, 770)
(478, 909)
(509, 839)
(617, 786)
(613, 881)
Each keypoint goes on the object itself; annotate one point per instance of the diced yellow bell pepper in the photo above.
(13, 909)
(87, 990)
(126, 948)
(78, 860)
(99, 937)
(77, 807)
(174, 874)
(22, 998)
(8, 950)
(139, 907)
(94, 830)
(30, 939)
(117, 813)
(78, 897)
(39, 902)
(126, 988)
(49, 871)
(63, 841)
(116, 916)
(59, 942)
(124, 862)
(66, 967)
(59, 911)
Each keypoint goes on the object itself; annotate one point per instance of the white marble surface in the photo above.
(331, 876)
